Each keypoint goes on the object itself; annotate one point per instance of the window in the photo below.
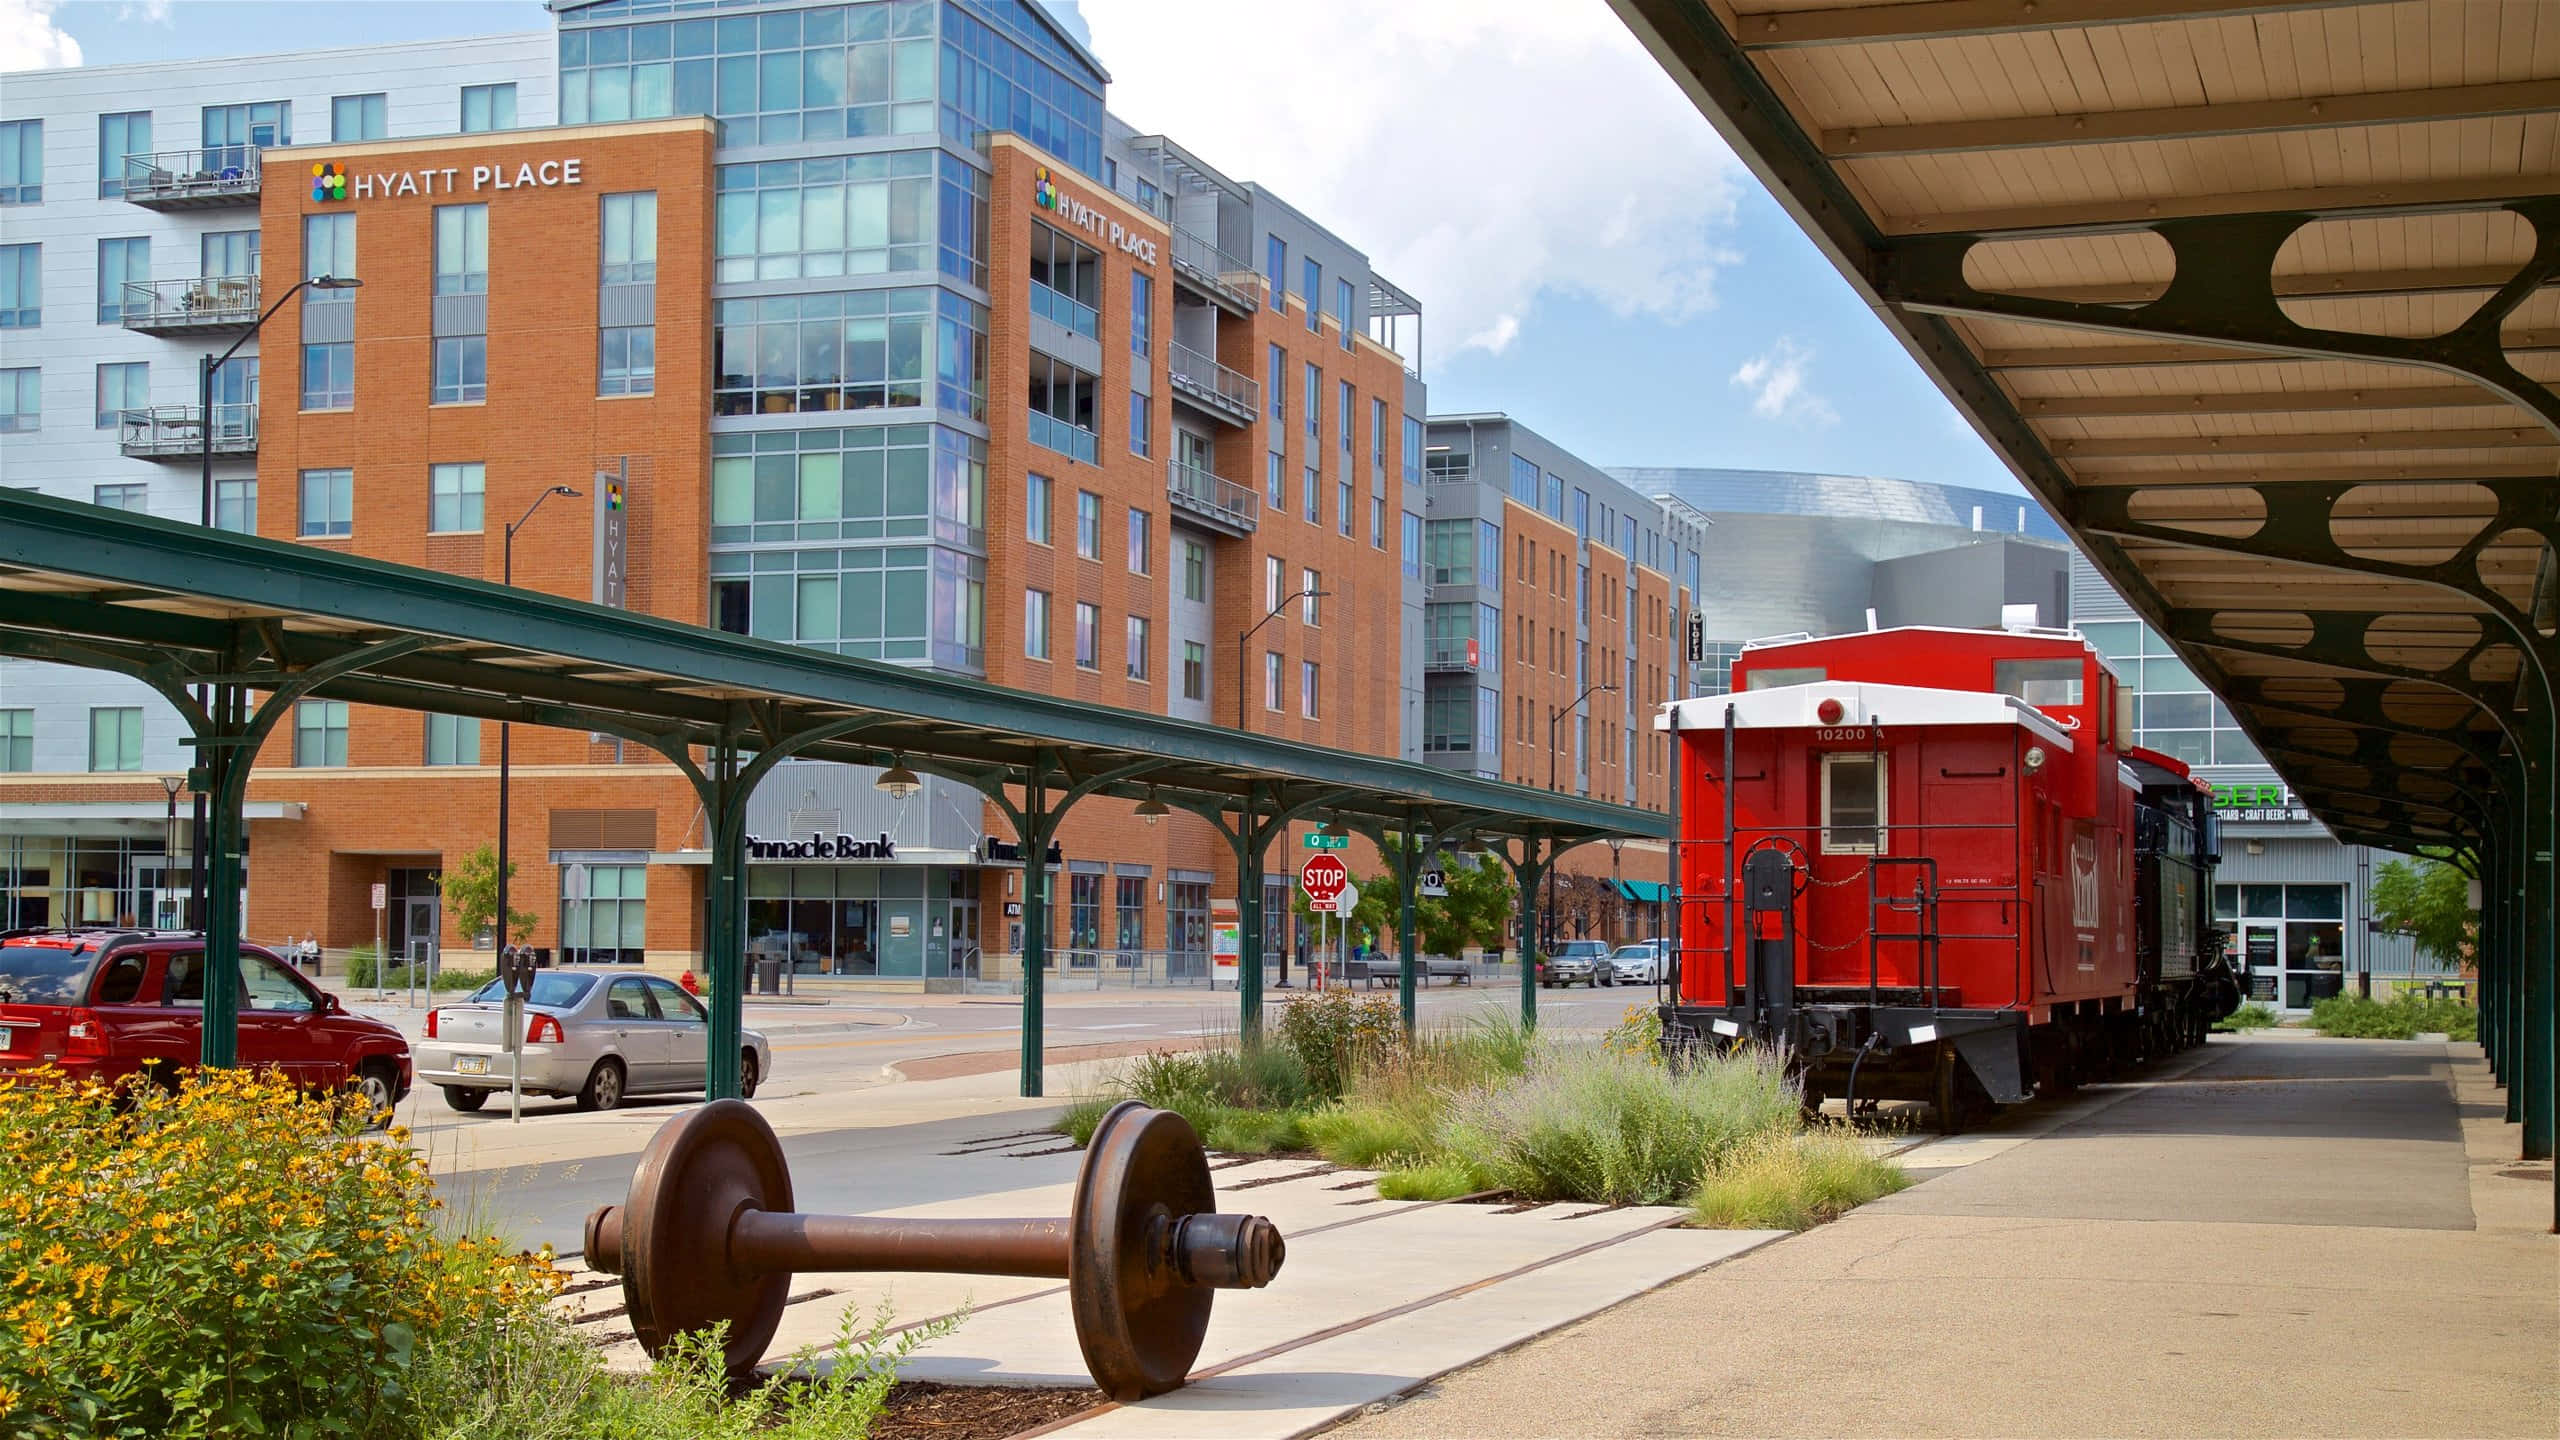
(21, 162)
(21, 286)
(1313, 292)
(1195, 671)
(1342, 410)
(462, 249)
(328, 248)
(1413, 450)
(1378, 437)
(1035, 624)
(1343, 508)
(2044, 682)
(1342, 309)
(1312, 398)
(453, 740)
(17, 741)
(627, 360)
(1276, 383)
(328, 503)
(1581, 514)
(1312, 494)
(1141, 542)
(1555, 497)
(1084, 914)
(1142, 425)
(1088, 636)
(1275, 270)
(1195, 571)
(1271, 680)
(234, 134)
(124, 260)
(115, 737)
(1129, 894)
(1088, 525)
(1062, 409)
(455, 494)
(462, 370)
(1141, 647)
(1524, 482)
(842, 215)
(118, 137)
(630, 239)
(1035, 508)
(130, 497)
(1271, 573)
(1853, 817)
(1142, 314)
(358, 117)
(320, 732)
(604, 915)
(1066, 282)
(488, 107)
(329, 376)
(1310, 586)
(1307, 678)
(235, 506)
(1412, 546)
(1275, 483)
(122, 387)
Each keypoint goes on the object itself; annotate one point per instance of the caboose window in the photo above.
(2038, 682)
(1852, 804)
(1796, 675)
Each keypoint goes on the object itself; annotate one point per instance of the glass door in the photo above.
(2261, 949)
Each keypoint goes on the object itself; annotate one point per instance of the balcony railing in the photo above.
(198, 177)
(1066, 310)
(1230, 393)
(1448, 477)
(1454, 654)
(1066, 438)
(1215, 272)
(203, 305)
(1222, 502)
(177, 432)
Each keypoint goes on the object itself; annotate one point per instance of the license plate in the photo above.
(471, 1064)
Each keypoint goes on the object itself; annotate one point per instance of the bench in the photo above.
(1389, 971)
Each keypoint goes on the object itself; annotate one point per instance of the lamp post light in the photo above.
(204, 452)
(160, 906)
(507, 573)
(1599, 687)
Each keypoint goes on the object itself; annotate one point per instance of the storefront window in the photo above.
(1131, 893)
(1186, 932)
(1084, 917)
(604, 914)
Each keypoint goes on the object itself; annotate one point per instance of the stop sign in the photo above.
(1323, 877)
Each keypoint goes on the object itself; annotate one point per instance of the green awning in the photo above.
(1648, 891)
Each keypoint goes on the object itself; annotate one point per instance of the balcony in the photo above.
(1461, 476)
(1068, 312)
(1220, 277)
(1452, 655)
(199, 178)
(1216, 501)
(1231, 395)
(1065, 437)
(207, 305)
(177, 432)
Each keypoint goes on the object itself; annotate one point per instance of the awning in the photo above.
(102, 819)
(1648, 892)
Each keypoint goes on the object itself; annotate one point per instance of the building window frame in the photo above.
(320, 734)
(1035, 624)
(457, 497)
(486, 108)
(328, 503)
(115, 738)
(452, 740)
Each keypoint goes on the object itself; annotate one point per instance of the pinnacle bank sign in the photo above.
(821, 847)
(331, 182)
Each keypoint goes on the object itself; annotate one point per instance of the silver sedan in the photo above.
(598, 1037)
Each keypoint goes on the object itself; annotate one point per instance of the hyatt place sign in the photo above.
(334, 181)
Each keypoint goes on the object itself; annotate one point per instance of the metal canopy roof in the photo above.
(2254, 296)
(176, 603)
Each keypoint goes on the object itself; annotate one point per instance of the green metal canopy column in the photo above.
(1529, 860)
(724, 929)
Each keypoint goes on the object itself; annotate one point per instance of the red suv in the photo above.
(105, 1004)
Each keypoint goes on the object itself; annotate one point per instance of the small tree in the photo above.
(470, 889)
(2430, 902)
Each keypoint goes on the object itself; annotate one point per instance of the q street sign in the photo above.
(1434, 885)
(1319, 840)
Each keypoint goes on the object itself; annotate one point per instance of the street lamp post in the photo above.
(1246, 728)
(1599, 687)
(204, 450)
(507, 573)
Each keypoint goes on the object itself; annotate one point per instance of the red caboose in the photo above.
(1909, 857)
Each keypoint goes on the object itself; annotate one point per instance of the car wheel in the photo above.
(747, 1076)
(380, 1088)
(464, 1098)
(603, 1090)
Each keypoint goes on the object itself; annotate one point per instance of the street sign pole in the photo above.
(380, 899)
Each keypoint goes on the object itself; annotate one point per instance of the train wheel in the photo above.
(1947, 1091)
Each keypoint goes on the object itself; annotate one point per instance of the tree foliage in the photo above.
(2429, 901)
(470, 889)
(1476, 912)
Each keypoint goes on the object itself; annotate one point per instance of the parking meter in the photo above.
(515, 972)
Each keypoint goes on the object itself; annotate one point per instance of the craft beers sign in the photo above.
(331, 181)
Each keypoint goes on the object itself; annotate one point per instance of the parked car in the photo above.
(1637, 964)
(598, 1036)
(107, 1004)
(1578, 962)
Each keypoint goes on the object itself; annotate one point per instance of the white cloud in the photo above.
(29, 40)
(1776, 379)
(1484, 153)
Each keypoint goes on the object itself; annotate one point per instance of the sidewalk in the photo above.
(2295, 1236)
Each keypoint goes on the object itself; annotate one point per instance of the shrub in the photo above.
(1590, 1125)
(1084, 1117)
(2252, 1016)
(234, 1258)
(1438, 1180)
(2403, 1017)
(1374, 1134)
(1637, 1035)
(1399, 1098)
(1778, 1181)
(1334, 1033)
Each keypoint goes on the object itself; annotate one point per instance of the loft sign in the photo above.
(1046, 194)
(339, 182)
(820, 847)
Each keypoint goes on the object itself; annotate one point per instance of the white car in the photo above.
(1639, 964)
(595, 1036)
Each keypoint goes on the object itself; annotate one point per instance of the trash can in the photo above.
(768, 974)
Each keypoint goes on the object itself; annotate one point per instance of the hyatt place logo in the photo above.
(329, 182)
(1043, 193)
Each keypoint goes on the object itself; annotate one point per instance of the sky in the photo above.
(1589, 255)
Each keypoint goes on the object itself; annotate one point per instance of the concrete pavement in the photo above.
(2289, 1236)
